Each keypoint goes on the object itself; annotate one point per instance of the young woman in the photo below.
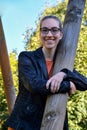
(36, 81)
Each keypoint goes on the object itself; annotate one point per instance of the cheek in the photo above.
(57, 39)
(42, 37)
(61, 35)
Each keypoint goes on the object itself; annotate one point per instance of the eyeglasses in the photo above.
(53, 30)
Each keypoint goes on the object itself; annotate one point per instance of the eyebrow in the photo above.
(51, 27)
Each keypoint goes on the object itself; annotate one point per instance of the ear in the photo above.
(39, 33)
(61, 35)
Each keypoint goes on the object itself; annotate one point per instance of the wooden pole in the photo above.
(55, 109)
(6, 71)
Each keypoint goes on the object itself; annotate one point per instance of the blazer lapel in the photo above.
(41, 61)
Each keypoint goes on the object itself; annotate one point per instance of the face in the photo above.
(50, 33)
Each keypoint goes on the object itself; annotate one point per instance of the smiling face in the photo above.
(50, 33)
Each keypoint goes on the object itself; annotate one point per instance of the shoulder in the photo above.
(30, 54)
(25, 53)
(25, 57)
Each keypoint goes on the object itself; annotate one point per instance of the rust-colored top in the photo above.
(49, 64)
(9, 128)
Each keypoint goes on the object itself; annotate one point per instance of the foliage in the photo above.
(14, 68)
(77, 104)
(33, 40)
(3, 103)
(3, 108)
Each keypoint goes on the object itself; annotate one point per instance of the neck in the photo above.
(48, 53)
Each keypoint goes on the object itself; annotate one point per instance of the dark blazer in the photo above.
(29, 106)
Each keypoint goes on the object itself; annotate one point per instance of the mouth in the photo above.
(51, 38)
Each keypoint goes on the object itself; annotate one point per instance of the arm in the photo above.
(31, 81)
(78, 79)
(55, 81)
(58, 84)
(28, 76)
(67, 86)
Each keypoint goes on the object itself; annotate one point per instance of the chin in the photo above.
(50, 46)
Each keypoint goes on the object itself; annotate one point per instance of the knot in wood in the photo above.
(73, 14)
(50, 116)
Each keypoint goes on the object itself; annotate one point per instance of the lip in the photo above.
(49, 38)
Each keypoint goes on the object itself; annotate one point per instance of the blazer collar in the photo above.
(41, 61)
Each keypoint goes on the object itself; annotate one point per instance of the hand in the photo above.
(55, 81)
(72, 88)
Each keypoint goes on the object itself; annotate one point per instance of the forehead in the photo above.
(50, 22)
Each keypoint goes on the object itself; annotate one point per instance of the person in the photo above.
(36, 81)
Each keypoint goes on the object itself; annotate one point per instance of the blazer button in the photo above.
(28, 108)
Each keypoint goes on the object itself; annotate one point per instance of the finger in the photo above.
(48, 83)
(57, 88)
(54, 86)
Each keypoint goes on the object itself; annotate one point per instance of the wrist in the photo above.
(64, 70)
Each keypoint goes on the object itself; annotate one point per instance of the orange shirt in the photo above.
(49, 64)
(9, 128)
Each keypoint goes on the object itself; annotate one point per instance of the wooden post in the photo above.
(55, 109)
(6, 71)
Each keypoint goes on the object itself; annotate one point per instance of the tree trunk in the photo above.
(6, 71)
(55, 109)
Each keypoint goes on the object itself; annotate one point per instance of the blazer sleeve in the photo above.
(28, 76)
(78, 79)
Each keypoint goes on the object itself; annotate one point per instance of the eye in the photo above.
(55, 29)
(44, 30)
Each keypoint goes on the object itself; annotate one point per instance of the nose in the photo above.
(49, 33)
